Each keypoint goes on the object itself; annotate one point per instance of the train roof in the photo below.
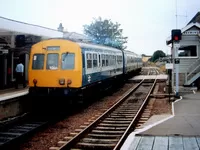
(88, 44)
(97, 46)
(93, 45)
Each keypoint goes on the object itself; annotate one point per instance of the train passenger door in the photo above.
(99, 62)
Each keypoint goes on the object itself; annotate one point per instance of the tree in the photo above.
(106, 32)
(156, 55)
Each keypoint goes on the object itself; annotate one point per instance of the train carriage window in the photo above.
(119, 59)
(68, 61)
(38, 61)
(52, 61)
(89, 60)
(103, 60)
(94, 60)
(107, 58)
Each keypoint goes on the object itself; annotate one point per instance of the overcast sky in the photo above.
(146, 23)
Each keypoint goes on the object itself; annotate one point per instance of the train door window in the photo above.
(52, 61)
(38, 61)
(89, 60)
(83, 60)
(94, 60)
(68, 61)
(99, 60)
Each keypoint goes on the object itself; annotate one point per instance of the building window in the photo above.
(68, 61)
(89, 60)
(38, 61)
(94, 60)
(52, 61)
(187, 51)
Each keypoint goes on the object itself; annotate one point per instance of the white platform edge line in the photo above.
(13, 95)
(129, 140)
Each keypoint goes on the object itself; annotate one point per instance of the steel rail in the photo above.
(82, 133)
(135, 119)
(73, 141)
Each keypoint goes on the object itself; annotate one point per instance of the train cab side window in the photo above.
(38, 61)
(94, 60)
(89, 60)
(68, 62)
(52, 61)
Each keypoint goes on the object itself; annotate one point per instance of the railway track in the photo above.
(12, 135)
(110, 130)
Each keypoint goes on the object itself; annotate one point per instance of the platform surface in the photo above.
(165, 143)
(13, 93)
(186, 120)
(181, 131)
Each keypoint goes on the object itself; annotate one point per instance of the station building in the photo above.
(16, 39)
(188, 53)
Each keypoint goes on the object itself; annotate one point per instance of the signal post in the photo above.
(176, 37)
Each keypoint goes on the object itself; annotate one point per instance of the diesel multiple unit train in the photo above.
(63, 67)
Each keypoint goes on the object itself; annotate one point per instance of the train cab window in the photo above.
(89, 60)
(38, 61)
(94, 60)
(52, 61)
(68, 61)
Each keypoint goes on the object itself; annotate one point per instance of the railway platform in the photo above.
(12, 93)
(181, 130)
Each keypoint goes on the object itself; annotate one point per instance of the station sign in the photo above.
(191, 32)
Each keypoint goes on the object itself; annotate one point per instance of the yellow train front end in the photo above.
(55, 67)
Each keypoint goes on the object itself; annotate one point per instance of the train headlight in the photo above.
(62, 81)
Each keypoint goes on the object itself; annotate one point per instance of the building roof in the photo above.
(195, 19)
(187, 27)
(13, 27)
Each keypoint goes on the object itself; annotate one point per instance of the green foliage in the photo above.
(106, 32)
(156, 55)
